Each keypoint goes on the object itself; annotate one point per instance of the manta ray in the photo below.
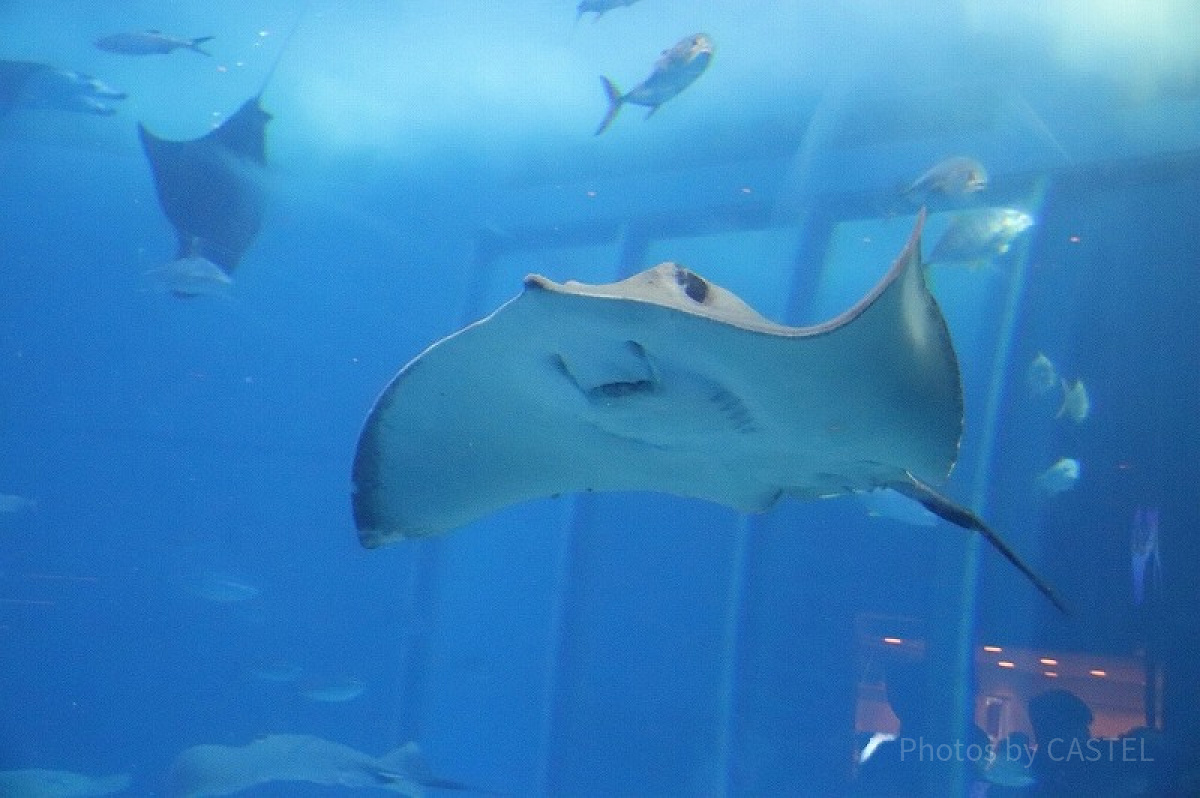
(206, 770)
(666, 382)
(210, 188)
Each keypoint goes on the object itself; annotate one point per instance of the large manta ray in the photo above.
(666, 382)
(210, 188)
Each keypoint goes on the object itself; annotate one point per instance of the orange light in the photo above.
(1099, 674)
(992, 649)
(1048, 661)
(893, 641)
(1005, 664)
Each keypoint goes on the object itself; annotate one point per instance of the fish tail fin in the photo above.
(194, 44)
(1066, 392)
(615, 100)
(960, 516)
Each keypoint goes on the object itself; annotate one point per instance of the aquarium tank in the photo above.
(599, 398)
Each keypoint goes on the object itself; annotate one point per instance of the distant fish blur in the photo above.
(334, 692)
(674, 71)
(952, 177)
(1059, 477)
(1041, 376)
(979, 236)
(10, 503)
(149, 42)
(600, 6)
(191, 277)
(1076, 405)
(280, 671)
(37, 783)
(222, 589)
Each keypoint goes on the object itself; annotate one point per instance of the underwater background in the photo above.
(179, 564)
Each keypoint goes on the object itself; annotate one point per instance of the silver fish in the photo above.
(674, 71)
(1059, 477)
(150, 42)
(600, 6)
(30, 84)
(1041, 376)
(1075, 403)
(980, 235)
(952, 177)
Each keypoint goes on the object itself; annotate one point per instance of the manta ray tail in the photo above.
(960, 516)
(614, 104)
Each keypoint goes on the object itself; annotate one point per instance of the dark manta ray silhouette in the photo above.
(210, 188)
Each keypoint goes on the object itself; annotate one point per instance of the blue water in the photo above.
(186, 569)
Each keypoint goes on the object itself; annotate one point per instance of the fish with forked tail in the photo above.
(674, 71)
(600, 6)
(150, 42)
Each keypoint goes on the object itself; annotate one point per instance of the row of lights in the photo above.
(1049, 662)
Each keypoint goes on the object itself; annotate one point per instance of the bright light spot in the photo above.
(1074, 239)
(1050, 674)
(992, 649)
(893, 641)
(1048, 661)
(1099, 674)
(746, 189)
(590, 194)
(1006, 664)
(262, 34)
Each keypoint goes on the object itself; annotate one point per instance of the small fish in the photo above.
(980, 235)
(600, 6)
(1041, 376)
(150, 42)
(223, 589)
(191, 277)
(280, 671)
(10, 503)
(334, 692)
(952, 177)
(1059, 477)
(1145, 563)
(674, 71)
(1075, 403)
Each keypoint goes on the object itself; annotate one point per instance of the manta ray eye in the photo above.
(693, 285)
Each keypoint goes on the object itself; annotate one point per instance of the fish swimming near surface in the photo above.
(33, 85)
(1041, 376)
(666, 382)
(952, 177)
(209, 770)
(211, 190)
(600, 6)
(1076, 405)
(674, 71)
(36, 783)
(1059, 477)
(150, 42)
(979, 236)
